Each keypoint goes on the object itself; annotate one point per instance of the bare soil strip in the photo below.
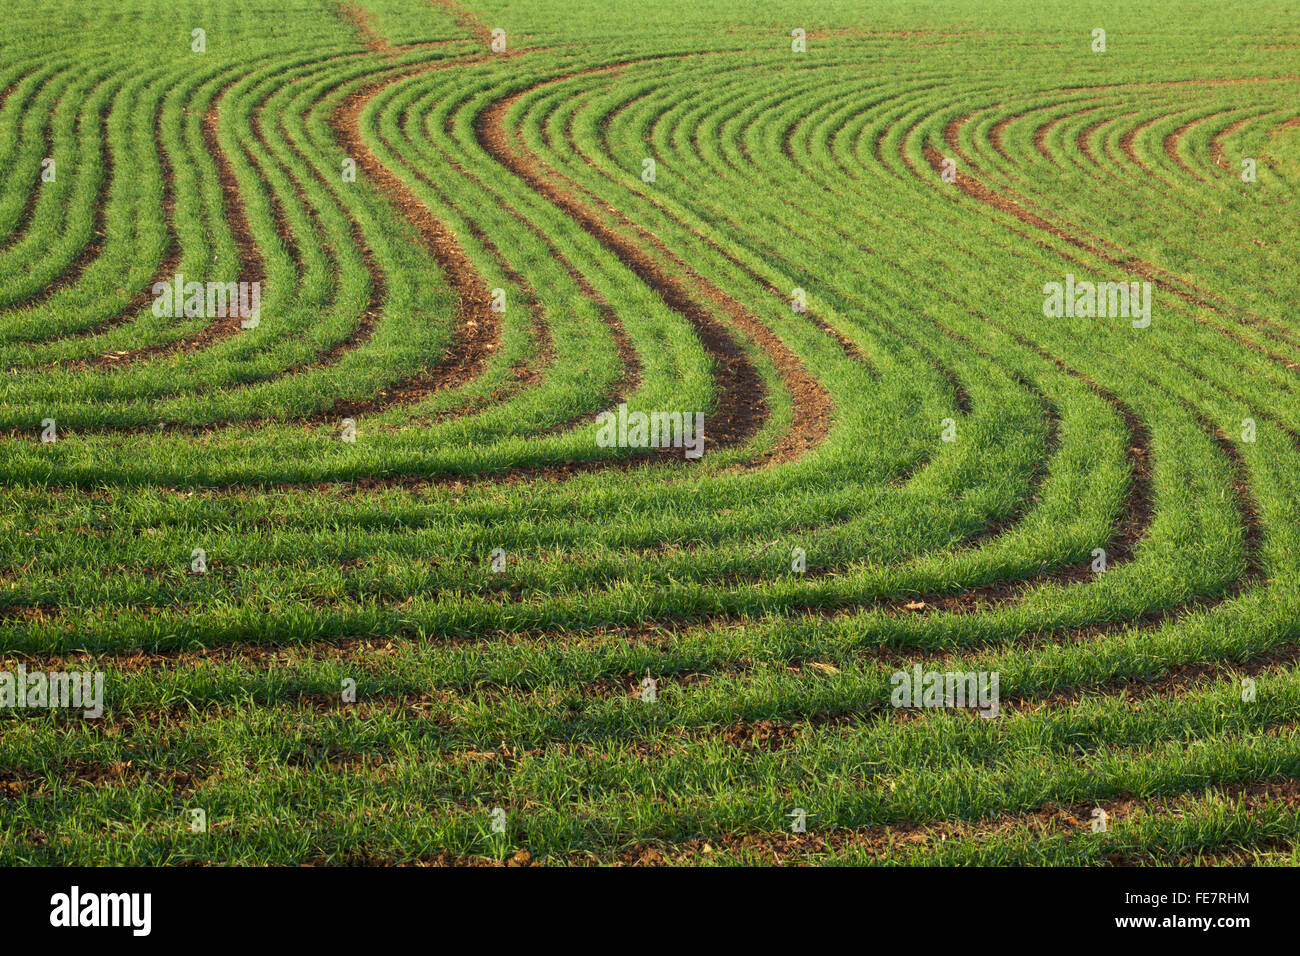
(251, 264)
(740, 392)
(362, 21)
(468, 21)
(1216, 142)
(1084, 140)
(417, 387)
(479, 328)
(741, 401)
(1171, 147)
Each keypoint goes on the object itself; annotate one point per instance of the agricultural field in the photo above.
(697, 432)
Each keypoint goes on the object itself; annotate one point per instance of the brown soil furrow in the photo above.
(1127, 148)
(741, 404)
(1171, 147)
(1254, 542)
(1084, 140)
(1175, 680)
(1216, 142)
(996, 132)
(887, 842)
(1043, 130)
(362, 21)
(279, 217)
(469, 22)
(479, 328)
(250, 263)
(23, 784)
(1040, 137)
(774, 733)
(813, 406)
(8, 91)
(416, 387)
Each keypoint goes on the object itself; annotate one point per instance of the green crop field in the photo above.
(687, 432)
